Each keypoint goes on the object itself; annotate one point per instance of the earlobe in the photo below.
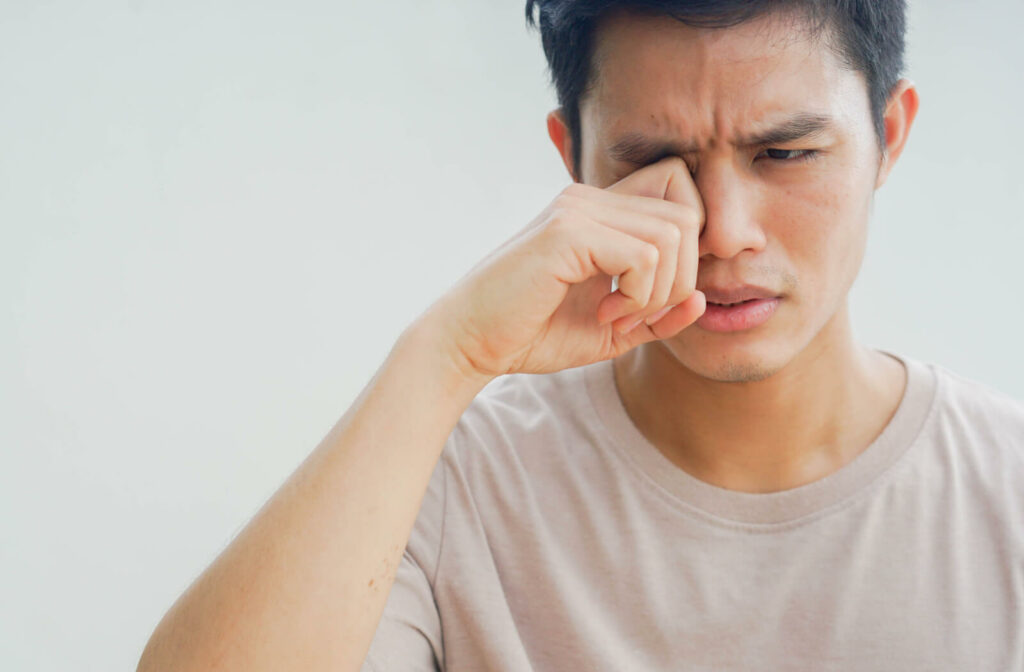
(899, 117)
(559, 134)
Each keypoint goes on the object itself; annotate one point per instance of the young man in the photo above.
(709, 473)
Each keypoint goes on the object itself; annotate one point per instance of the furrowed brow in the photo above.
(797, 127)
(637, 148)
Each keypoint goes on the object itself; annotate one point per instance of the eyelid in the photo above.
(804, 155)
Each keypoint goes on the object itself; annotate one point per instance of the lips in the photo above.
(737, 308)
(725, 296)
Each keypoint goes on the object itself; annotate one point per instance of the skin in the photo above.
(796, 398)
(304, 584)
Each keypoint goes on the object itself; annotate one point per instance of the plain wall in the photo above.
(217, 217)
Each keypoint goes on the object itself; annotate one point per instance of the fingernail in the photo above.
(658, 315)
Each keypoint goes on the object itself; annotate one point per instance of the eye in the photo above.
(789, 154)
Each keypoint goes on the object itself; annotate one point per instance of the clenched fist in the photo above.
(543, 300)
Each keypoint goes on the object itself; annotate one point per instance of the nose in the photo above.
(732, 213)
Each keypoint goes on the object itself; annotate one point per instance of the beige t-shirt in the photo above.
(554, 536)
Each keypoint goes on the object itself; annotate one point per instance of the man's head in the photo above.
(789, 116)
(867, 35)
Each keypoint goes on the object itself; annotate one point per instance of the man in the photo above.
(709, 473)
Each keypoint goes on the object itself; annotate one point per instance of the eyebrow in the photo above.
(637, 148)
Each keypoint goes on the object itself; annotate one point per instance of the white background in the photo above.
(216, 218)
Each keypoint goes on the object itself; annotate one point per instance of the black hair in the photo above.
(867, 34)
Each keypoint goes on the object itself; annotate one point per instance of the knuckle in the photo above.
(561, 222)
(673, 237)
(649, 256)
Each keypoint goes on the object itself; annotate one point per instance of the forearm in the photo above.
(304, 584)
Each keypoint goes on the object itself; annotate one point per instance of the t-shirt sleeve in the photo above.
(408, 637)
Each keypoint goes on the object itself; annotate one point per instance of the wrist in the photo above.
(429, 341)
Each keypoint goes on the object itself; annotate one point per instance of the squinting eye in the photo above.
(789, 154)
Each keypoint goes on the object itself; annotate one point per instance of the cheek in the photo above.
(822, 228)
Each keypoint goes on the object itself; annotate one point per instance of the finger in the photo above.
(677, 319)
(681, 188)
(668, 179)
(586, 248)
(683, 284)
(663, 234)
(619, 196)
(680, 317)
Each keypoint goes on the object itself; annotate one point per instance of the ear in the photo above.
(899, 116)
(558, 131)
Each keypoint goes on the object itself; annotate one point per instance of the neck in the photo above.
(796, 426)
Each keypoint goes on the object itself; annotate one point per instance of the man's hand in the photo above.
(542, 301)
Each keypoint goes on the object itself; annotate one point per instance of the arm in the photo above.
(304, 584)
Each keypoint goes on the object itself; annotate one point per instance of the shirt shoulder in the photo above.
(977, 432)
(975, 410)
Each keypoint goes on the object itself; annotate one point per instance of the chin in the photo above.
(738, 372)
(759, 353)
(728, 360)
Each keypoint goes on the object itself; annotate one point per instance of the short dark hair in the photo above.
(867, 34)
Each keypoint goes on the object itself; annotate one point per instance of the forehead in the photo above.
(656, 74)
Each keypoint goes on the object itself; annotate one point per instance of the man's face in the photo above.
(789, 216)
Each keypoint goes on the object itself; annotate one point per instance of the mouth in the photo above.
(737, 309)
(730, 305)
